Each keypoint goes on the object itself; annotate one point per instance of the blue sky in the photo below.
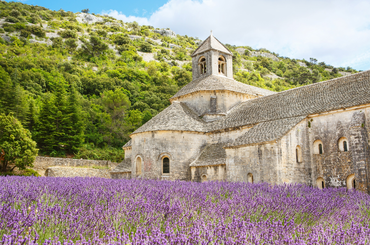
(142, 8)
(334, 31)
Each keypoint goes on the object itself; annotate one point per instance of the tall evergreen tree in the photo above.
(46, 125)
(74, 134)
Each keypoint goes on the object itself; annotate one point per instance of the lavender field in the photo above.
(102, 211)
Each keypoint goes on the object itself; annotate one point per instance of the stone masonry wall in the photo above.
(180, 147)
(334, 166)
(41, 164)
(77, 172)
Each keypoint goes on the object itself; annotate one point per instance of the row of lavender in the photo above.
(102, 211)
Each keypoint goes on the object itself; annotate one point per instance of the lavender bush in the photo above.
(102, 211)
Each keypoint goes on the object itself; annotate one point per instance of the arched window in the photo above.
(320, 183)
(166, 165)
(351, 182)
(298, 154)
(202, 65)
(204, 178)
(221, 65)
(343, 144)
(250, 178)
(318, 147)
(138, 166)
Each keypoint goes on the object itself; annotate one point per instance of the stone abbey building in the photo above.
(219, 129)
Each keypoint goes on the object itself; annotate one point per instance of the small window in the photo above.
(343, 144)
(250, 178)
(298, 154)
(318, 147)
(221, 65)
(166, 165)
(138, 166)
(202, 65)
(204, 178)
(351, 182)
(320, 183)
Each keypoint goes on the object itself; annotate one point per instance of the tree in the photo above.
(74, 134)
(16, 145)
(95, 47)
(85, 11)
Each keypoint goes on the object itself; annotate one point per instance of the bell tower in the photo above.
(212, 58)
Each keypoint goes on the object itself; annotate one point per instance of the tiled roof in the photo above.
(211, 43)
(123, 167)
(212, 154)
(178, 116)
(320, 97)
(215, 82)
(267, 131)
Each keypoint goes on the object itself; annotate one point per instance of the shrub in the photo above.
(15, 13)
(37, 31)
(25, 33)
(8, 28)
(108, 153)
(146, 47)
(11, 19)
(121, 40)
(68, 34)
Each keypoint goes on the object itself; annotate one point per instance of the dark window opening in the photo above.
(322, 184)
(166, 165)
(320, 148)
(354, 184)
(296, 155)
(345, 146)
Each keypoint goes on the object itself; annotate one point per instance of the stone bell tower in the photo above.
(212, 58)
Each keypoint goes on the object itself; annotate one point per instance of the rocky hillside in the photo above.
(110, 77)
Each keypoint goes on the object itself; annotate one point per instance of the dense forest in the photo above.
(81, 87)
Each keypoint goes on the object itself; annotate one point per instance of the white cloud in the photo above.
(334, 31)
(121, 16)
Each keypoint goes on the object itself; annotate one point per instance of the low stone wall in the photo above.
(120, 175)
(42, 163)
(77, 172)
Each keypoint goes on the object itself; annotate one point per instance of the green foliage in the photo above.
(16, 146)
(146, 47)
(106, 153)
(68, 34)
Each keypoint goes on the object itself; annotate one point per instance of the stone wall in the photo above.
(41, 164)
(334, 166)
(208, 173)
(180, 147)
(77, 172)
(201, 102)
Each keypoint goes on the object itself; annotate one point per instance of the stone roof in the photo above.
(178, 116)
(211, 43)
(320, 97)
(128, 144)
(123, 167)
(267, 131)
(216, 82)
(212, 154)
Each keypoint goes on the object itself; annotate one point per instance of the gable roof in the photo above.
(212, 154)
(267, 131)
(211, 43)
(215, 82)
(177, 117)
(320, 97)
